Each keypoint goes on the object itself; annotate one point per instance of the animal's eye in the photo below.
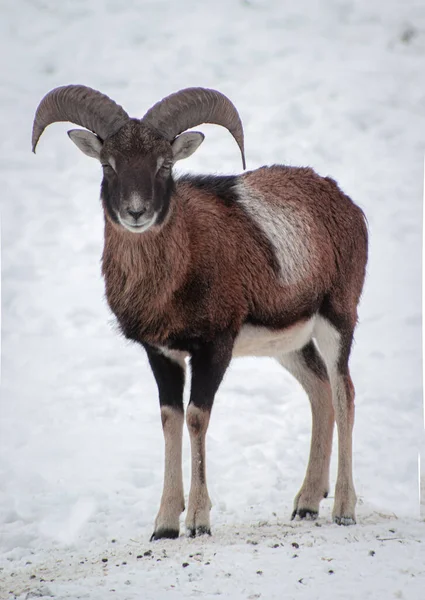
(165, 167)
(107, 168)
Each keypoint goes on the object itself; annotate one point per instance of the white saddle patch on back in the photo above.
(285, 229)
(260, 341)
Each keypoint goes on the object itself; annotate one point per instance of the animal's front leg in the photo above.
(208, 364)
(169, 374)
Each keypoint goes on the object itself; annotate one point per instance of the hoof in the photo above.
(198, 531)
(171, 534)
(305, 513)
(344, 521)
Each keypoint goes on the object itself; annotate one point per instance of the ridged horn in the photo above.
(80, 105)
(191, 107)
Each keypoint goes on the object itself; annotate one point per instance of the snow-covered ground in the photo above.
(337, 85)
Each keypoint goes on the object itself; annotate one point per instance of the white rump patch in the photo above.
(288, 234)
(260, 341)
(329, 340)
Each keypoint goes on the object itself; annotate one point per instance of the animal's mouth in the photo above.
(138, 227)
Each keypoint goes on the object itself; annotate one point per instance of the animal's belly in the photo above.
(261, 341)
(254, 340)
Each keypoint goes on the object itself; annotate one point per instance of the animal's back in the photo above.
(305, 230)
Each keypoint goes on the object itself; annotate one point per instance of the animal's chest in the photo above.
(150, 307)
(143, 310)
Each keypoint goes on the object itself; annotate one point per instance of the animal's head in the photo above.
(137, 155)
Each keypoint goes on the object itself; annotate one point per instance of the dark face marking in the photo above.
(137, 182)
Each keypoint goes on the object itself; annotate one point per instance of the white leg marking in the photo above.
(328, 340)
(172, 501)
(316, 482)
(174, 355)
(198, 512)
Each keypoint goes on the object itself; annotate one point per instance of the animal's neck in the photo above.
(154, 262)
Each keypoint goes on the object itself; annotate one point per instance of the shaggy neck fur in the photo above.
(141, 269)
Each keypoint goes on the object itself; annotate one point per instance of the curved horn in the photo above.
(80, 105)
(191, 107)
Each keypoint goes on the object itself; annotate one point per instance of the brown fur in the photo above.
(187, 264)
(208, 268)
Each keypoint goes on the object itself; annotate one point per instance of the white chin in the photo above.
(138, 228)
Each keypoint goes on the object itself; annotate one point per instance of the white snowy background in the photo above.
(337, 85)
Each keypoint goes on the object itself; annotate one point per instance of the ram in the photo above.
(267, 263)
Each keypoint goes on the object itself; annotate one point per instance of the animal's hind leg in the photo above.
(335, 344)
(307, 366)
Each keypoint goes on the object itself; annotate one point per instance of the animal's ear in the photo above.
(185, 144)
(87, 142)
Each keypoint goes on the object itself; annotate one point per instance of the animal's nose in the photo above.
(136, 213)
